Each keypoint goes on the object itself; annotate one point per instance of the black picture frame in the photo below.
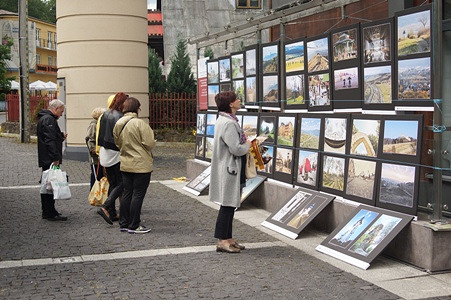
(269, 59)
(336, 134)
(212, 91)
(365, 136)
(294, 56)
(225, 71)
(201, 123)
(398, 134)
(267, 127)
(283, 164)
(307, 168)
(398, 187)
(310, 132)
(286, 129)
(237, 65)
(363, 235)
(297, 212)
(377, 61)
(333, 174)
(362, 180)
(212, 71)
(251, 59)
(225, 87)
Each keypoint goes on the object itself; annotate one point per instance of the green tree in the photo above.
(208, 52)
(5, 55)
(156, 80)
(39, 9)
(180, 78)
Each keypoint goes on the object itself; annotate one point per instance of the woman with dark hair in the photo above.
(135, 139)
(110, 158)
(227, 169)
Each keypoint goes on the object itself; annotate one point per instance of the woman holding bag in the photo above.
(227, 169)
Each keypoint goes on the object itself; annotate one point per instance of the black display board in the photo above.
(251, 83)
(294, 65)
(270, 84)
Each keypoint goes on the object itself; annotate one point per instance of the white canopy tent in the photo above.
(51, 86)
(37, 85)
(14, 85)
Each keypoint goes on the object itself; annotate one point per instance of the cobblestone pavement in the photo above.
(85, 258)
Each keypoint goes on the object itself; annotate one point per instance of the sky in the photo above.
(151, 4)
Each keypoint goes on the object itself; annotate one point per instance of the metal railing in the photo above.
(36, 103)
(172, 110)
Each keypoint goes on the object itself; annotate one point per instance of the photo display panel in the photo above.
(251, 185)
(267, 128)
(336, 133)
(238, 88)
(225, 71)
(378, 64)
(362, 180)
(213, 71)
(286, 126)
(209, 143)
(307, 168)
(237, 64)
(201, 129)
(250, 124)
(347, 85)
(363, 235)
(295, 78)
(284, 163)
(318, 73)
(213, 90)
(200, 147)
(413, 57)
(200, 183)
(270, 75)
(297, 212)
(333, 174)
(251, 80)
(365, 135)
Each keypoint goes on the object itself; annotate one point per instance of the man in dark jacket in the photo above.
(50, 150)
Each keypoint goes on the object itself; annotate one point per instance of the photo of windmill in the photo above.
(377, 85)
(318, 55)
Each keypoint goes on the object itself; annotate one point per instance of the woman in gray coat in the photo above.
(227, 169)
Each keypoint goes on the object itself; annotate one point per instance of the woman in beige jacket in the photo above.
(135, 140)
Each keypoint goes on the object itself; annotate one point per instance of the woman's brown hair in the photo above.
(223, 100)
(118, 101)
(131, 105)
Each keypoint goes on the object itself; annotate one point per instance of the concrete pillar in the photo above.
(102, 50)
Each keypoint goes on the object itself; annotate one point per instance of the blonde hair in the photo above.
(96, 112)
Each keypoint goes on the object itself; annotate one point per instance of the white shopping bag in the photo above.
(46, 187)
(60, 186)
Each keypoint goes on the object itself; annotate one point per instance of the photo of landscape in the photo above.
(346, 79)
(213, 90)
(237, 66)
(400, 137)
(270, 59)
(307, 167)
(397, 184)
(270, 88)
(365, 137)
(211, 121)
(294, 57)
(251, 90)
(310, 131)
(224, 70)
(414, 78)
(200, 127)
(212, 72)
(284, 160)
(361, 176)
(238, 88)
(318, 55)
(345, 44)
(250, 125)
(267, 128)
(209, 147)
(377, 85)
(295, 89)
(285, 132)
(251, 62)
(414, 33)
(376, 43)
(335, 135)
(319, 90)
(333, 172)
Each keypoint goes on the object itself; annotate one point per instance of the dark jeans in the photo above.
(223, 230)
(93, 176)
(114, 176)
(135, 187)
(47, 203)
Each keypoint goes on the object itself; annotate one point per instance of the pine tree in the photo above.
(5, 55)
(156, 80)
(208, 52)
(180, 78)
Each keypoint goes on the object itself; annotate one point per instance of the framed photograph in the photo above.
(250, 123)
(295, 90)
(213, 90)
(319, 92)
(200, 147)
(346, 79)
(378, 85)
(335, 134)
(318, 54)
(363, 235)
(402, 138)
(267, 127)
(225, 87)
(268, 155)
(201, 124)
(284, 162)
(297, 212)
(377, 42)
(345, 44)
(307, 163)
(398, 188)
(237, 60)
(238, 88)
(251, 185)
(270, 58)
(251, 91)
(239, 115)
(270, 90)
(414, 81)
(251, 61)
(365, 135)
(309, 132)
(414, 31)
(361, 181)
(200, 183)
(294, 56)
(209, 143)
(333, 176)
(212, 72)
(211, 121)
(286, 130)
(224, 69)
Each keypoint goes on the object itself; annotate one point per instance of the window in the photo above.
(50, 61)
(38, 59)
(38, 37)
(49, 40)
(248, 3)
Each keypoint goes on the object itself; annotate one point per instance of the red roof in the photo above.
(154, 16)
(155, 30)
